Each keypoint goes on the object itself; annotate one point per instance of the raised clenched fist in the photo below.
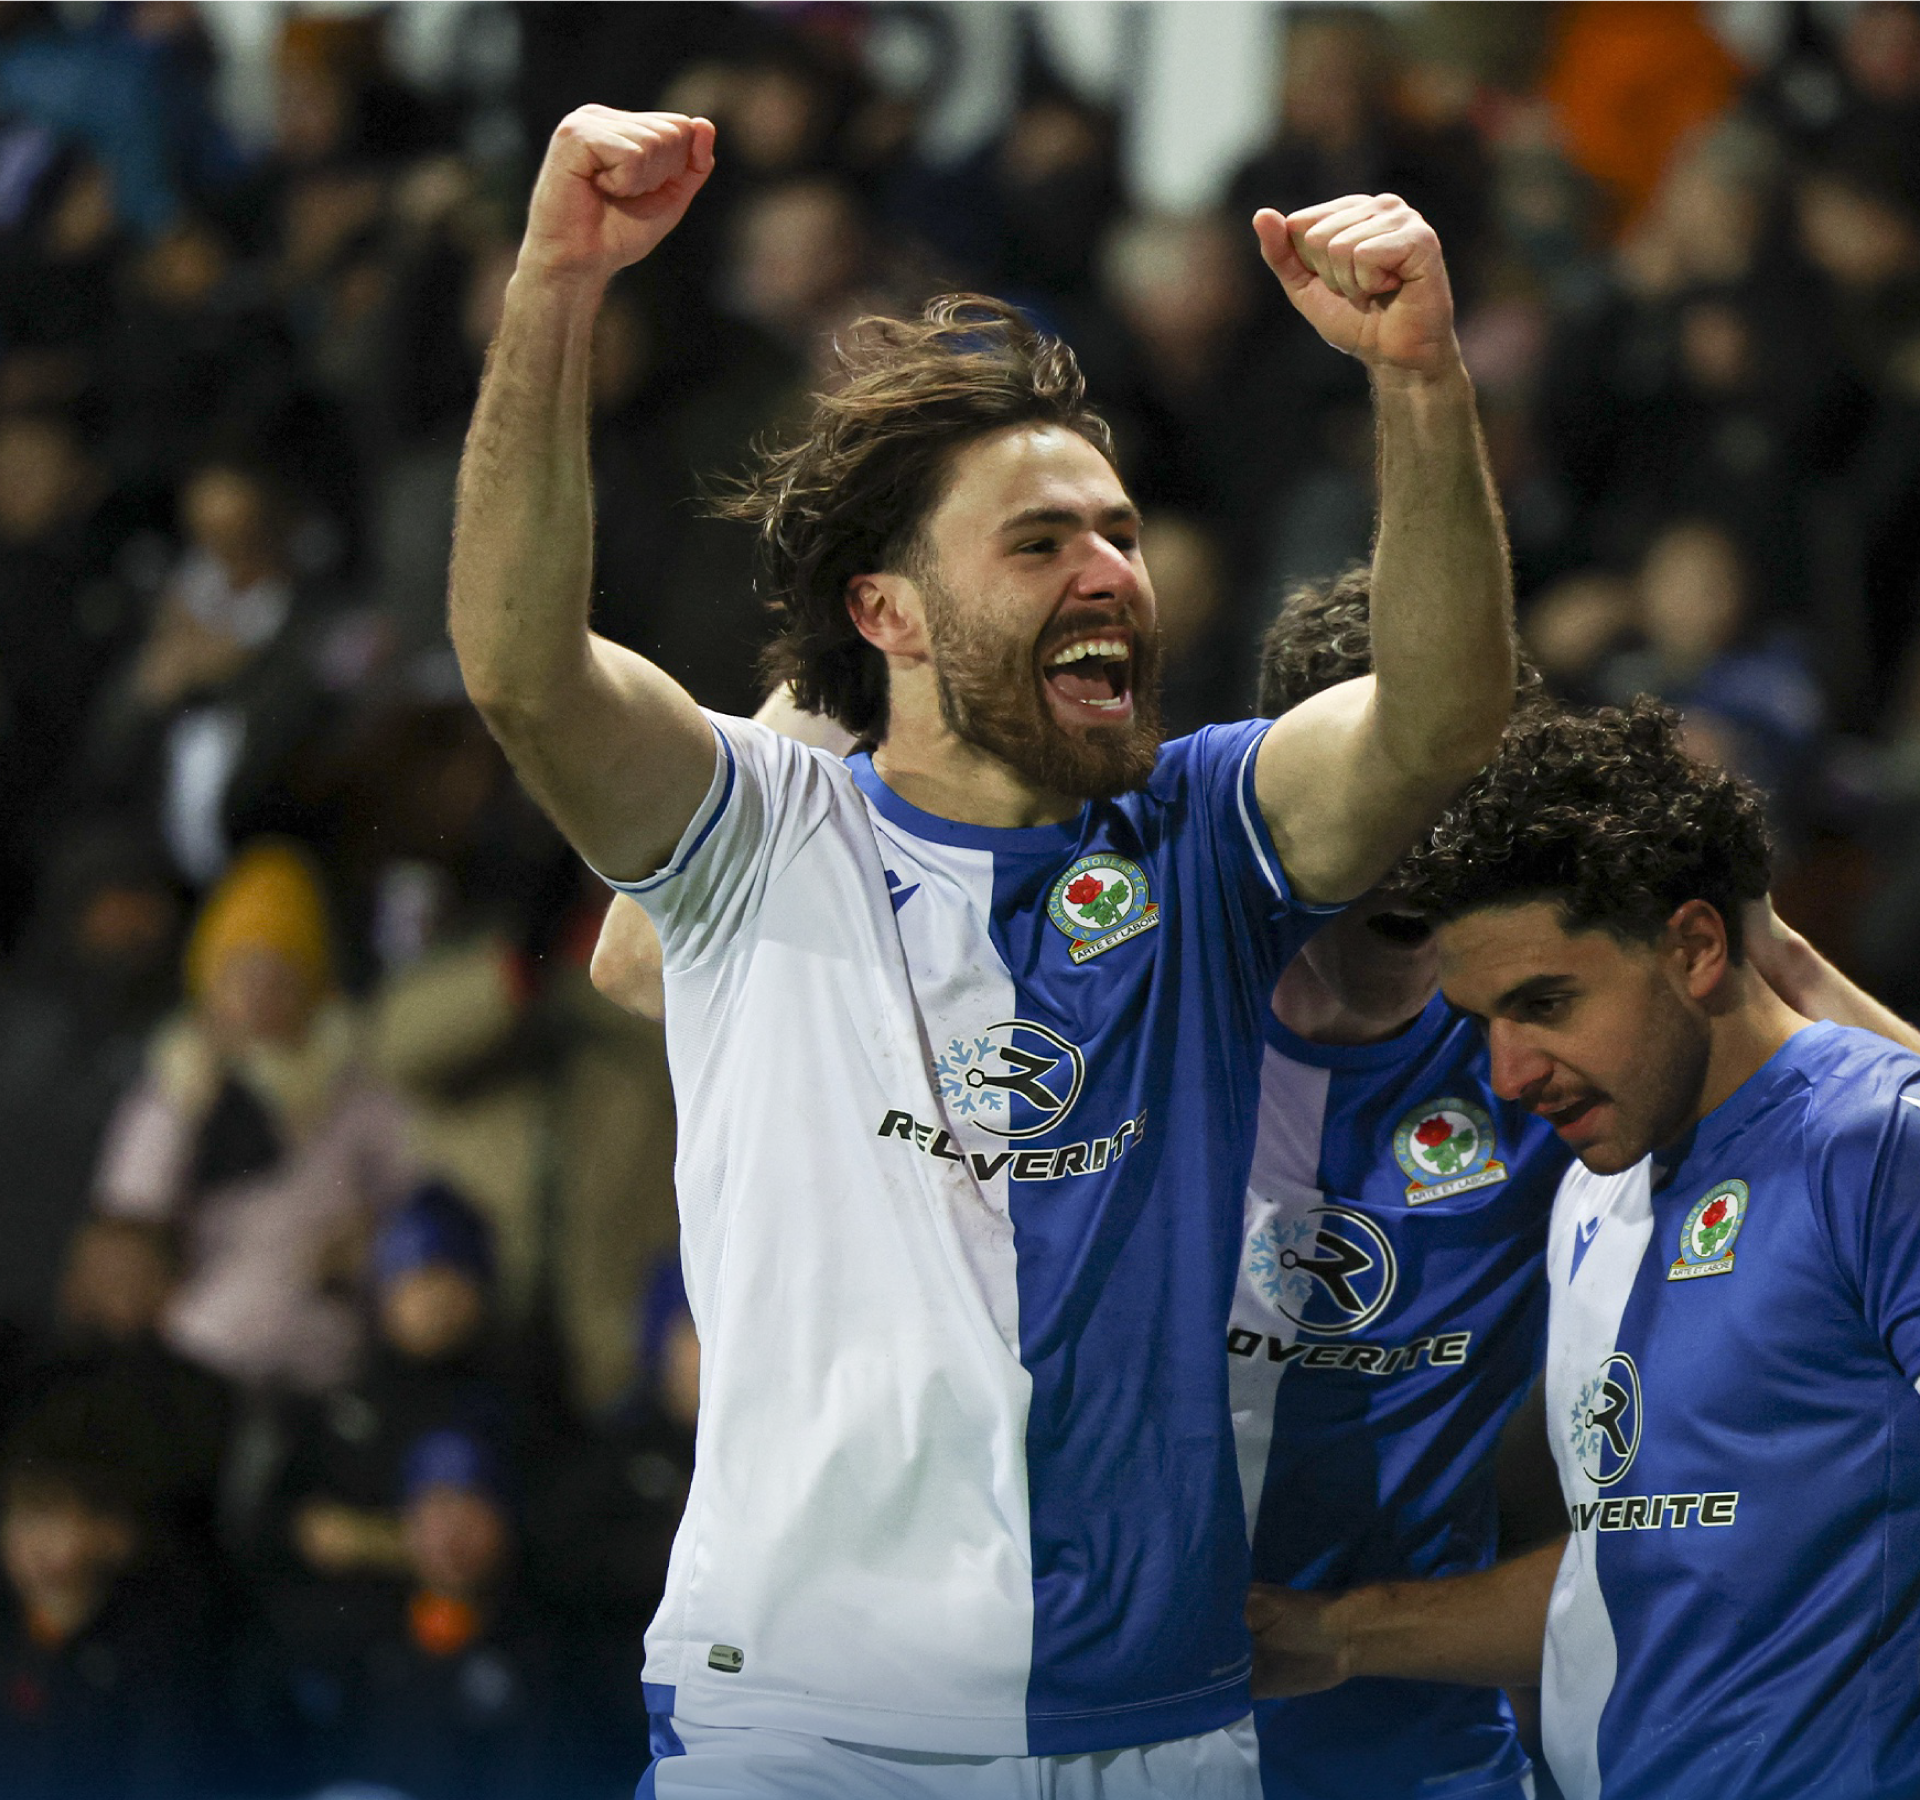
(1367, 273)
(612, 186)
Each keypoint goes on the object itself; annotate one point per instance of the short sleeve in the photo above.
(1217, 765)
(1872, 1196)
(767, 795)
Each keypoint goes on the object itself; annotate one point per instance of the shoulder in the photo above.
(1862, 1108)
(1209, 753)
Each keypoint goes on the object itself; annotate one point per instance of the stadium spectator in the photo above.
(192, 735)
(107, 1672)
(93, 974)
(455, 1699)
(436, 1360)
(256, 1131)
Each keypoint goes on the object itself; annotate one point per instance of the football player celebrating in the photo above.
(1734, 1319)
(1394, 1196)
(1391, 1312)
(966, 1028)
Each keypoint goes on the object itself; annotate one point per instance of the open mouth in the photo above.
(1094, 673)
(1407, 929)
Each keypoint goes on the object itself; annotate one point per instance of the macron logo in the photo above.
(1583, 1236)
(896, 893)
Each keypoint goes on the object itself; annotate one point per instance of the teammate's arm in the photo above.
(1811, 985)
(1348, 779)
(1487, 1629)
(615, 750)
(627, 967)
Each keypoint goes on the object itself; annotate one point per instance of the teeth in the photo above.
(1106, 649)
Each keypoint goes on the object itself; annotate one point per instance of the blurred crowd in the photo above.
(346, 1382)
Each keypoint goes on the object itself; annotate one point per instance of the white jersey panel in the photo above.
(1282, 1186)
(858, 1524)
(1601, 1225)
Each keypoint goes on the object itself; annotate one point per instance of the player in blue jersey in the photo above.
(1391, 1308)
(966, 1026)
(1734, 1269)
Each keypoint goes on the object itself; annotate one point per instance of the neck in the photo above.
(928, 766)
(1311, 1008)
(1747, 1023)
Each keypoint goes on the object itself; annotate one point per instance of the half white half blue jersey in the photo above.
(1733, 1350)
(965, 1121)
(1391, 1314)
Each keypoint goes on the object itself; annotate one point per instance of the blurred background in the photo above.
(346, 1384)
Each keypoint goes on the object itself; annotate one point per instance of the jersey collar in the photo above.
(1404, 1046)
(1002, 840)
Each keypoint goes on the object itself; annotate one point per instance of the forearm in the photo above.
(1442, 595)
(523, 534)
(1812, 986)
(1487, 1629)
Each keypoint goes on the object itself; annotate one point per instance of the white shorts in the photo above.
(723, 1762)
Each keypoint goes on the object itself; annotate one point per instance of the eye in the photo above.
(1037, 547)
(1126, 542)
(1546, 1009)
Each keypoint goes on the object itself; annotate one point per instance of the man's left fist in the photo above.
(1367, 273)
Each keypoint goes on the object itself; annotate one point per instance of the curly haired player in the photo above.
(1734, 1319)
(963, 1142)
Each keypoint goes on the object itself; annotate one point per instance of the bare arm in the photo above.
(1349, 779)
(626, 960)
(1811, 985)
(613, 749)
(1488, 1629)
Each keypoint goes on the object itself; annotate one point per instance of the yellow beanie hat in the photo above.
(269, 899)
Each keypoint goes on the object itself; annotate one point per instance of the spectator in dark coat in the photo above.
(455, 1699)
(334, 1543)
(106, 1667)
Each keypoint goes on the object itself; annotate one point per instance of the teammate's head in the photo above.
(1378, 956)
(946, 527)
(1321, 636)
(1588, 888)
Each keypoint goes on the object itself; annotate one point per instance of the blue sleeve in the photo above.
(1871, 1191)
(1216, 767)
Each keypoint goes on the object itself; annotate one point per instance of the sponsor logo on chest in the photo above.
(1604, 1431)
(1330, 1270)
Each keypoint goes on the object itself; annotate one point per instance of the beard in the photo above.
(991, 696)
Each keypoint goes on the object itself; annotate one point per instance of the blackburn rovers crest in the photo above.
(1100, 902)
(1706, 1238)
(1447, 1147)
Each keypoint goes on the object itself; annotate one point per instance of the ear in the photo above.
(1697, 936)
(888, 612)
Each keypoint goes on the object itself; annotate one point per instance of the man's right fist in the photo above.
(612, 186)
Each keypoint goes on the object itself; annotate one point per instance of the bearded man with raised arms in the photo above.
(966, 1027)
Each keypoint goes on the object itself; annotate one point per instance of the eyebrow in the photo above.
(1065, 515)
(1529, 989)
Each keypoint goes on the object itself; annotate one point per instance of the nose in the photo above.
(1105, 570)
(1517, 1066)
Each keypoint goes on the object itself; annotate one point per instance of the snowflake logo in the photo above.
(966, 1099)
(1279, 1275)
(1585, 1437)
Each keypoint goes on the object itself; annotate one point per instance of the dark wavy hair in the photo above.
(1607, 816)
(1323, 635)
(850, 492)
